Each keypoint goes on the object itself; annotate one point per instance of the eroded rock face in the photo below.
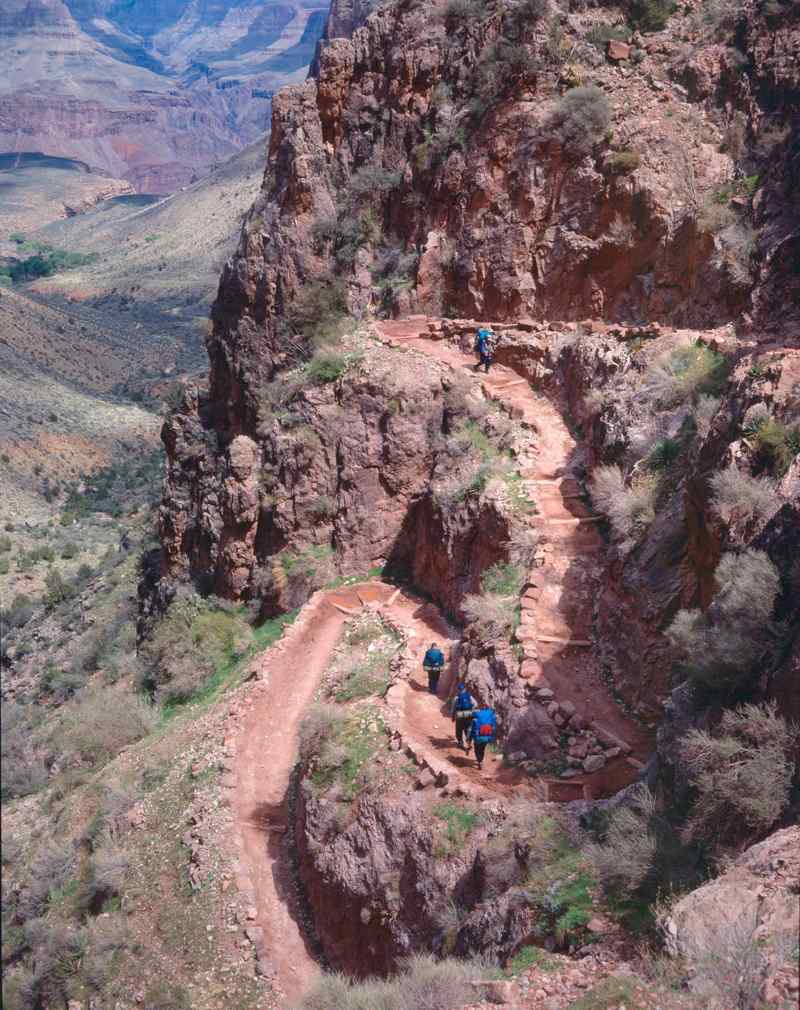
(751, 906)
(340, 481)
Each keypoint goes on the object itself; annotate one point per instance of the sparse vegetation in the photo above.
(742, 772)
(422, 983)
(684, 374)
(650, 15)
(628, 507)
(580, 121)
(197, 643)
(738, 497)
(319, 311)
(97, 725)
(338, 747)
(601, 34)
(494, 611)
(719, 647)
(460, 821)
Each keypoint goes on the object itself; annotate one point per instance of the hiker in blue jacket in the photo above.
(483, 731)
(433, 664)
(462, 711)
(484, 348)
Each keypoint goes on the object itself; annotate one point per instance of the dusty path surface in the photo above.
(291, 670)
(561, 608)
(290, 673)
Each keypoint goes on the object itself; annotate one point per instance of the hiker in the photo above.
(483, 345)
(433, 663)
(462, 712)
(483, 731)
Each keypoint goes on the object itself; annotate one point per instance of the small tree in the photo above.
(742, 772)
(719, 647)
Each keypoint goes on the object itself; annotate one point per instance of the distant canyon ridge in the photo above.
(154, 92)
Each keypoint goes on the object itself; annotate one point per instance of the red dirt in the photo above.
(263, 761)
(570, 574)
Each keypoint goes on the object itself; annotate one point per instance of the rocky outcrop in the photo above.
(740, 930)
(337, 480)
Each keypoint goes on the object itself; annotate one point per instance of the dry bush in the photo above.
(317, 725)
(99, 724)
(421, 984)
(628, 851)
(522, 545)
(110, 863)
(493, 616)
(106, 937)
(580, 121)
(628, 508)
(703, 413)
(24, 771)
(719, 647)
(683, 374)
(742, 772)
(50, 869)
(739, 497)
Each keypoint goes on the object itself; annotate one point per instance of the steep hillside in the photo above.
(163, 257)
(152, 94)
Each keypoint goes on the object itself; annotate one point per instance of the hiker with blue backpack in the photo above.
(462, 711)
(483, 345)
(433, 664)
(483, 731)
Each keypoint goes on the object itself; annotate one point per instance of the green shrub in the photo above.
(438, 144)
(776, 444)
(460, 11)
(684, 373)
(530, 957)
(20, 612)
(5, 566)
(742, 772)
(663, 453)
(580, 121)
(70, 550)
(58, 589)
(319, 311)
(719, 648)
(5, 544)
(503, 579)
(372, 180)
(345, 753)
(622, 162)
(46, 262)
(650, 15)
(600, 35)
(192, 649)
(61, 684)
(328, 366)
(459, 820)
(17, 236)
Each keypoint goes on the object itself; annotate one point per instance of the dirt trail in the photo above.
(561, 608)
(291, 671)
(263, 761)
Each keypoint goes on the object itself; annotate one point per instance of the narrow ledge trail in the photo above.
(290, 673)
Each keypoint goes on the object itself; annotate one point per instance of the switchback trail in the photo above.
(560, 643)
(265, 747)
(265, 752)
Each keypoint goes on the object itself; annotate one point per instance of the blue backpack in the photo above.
(464, 701)
(484, 728)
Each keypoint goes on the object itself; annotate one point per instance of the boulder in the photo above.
(498, 991)
(593, 763)
(617, 50)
